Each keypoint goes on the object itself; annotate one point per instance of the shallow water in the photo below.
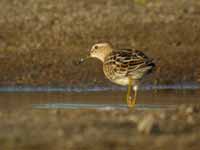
(145, 87)
(97, 99)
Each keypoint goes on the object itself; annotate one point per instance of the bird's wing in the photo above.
(126, 62)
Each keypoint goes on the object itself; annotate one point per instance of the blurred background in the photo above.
(40, 40)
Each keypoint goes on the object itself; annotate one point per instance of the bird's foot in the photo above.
(131, 103)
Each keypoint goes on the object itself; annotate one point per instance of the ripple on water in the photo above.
(100, 106)
(185, 86)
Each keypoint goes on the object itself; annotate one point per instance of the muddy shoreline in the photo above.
(99, 120)
(101, 129)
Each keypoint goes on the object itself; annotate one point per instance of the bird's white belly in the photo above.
(122, 81)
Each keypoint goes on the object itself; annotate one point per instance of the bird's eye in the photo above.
(96, 47)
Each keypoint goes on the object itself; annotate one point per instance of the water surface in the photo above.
(96, 99)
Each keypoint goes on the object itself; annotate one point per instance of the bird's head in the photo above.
(100, 50)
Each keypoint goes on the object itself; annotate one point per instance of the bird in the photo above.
(126, 67)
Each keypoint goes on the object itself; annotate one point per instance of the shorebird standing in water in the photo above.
(123, 67)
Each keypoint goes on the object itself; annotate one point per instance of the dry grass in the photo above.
(40, 39)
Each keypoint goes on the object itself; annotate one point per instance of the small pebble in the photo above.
(190, 120)
(163, 115)
(189, 110)
(133, 118)
(174, 117)
(148, 125)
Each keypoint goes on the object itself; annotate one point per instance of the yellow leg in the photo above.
(130, 101)
(135, 94)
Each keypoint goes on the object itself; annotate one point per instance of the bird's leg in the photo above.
(130, 101)
(135, 94)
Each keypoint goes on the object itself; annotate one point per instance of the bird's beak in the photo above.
(83, 59)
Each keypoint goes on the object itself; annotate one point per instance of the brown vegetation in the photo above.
(40, 40)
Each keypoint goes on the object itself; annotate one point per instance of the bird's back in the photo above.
(120, 65)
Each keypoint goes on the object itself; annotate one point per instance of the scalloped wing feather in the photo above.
(127, 63)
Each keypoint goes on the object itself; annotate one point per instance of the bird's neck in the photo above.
(103, 55)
